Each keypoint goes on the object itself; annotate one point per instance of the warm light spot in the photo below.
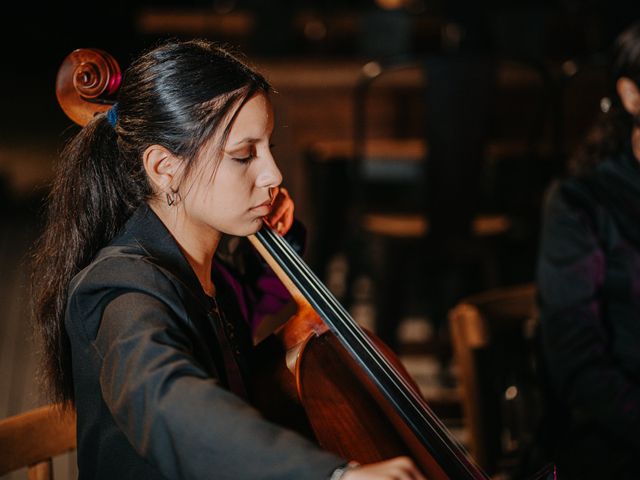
(315, 30)
(511, 392)
(570, 68)
(372, 69)
(390, 4)
(605, 104)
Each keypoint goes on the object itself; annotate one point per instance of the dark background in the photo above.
(35, 39)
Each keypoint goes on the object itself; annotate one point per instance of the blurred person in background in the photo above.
(588, 281)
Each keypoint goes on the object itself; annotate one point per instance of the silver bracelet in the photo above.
(340, 471)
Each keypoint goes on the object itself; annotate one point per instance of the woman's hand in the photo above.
(399, 468)
(282, 207)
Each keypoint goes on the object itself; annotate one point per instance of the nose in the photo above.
(269, 175)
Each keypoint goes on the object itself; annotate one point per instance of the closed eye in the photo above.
(249, 155)
(246, 159)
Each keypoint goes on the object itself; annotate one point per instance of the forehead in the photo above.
(254, 120)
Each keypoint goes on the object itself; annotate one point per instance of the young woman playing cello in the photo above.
(146, 332)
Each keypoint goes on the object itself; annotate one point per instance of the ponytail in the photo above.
(91, 197)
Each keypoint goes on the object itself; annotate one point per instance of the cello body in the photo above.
(312, 385)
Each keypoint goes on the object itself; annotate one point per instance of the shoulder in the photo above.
(124, 267)
(115, 271)
(573, 203)
(574, 192)
(574, 223)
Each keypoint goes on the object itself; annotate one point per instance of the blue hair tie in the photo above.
(112, 115)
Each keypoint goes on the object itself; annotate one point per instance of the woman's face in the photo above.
(234, 198)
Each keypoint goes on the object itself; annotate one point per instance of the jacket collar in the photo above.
(145, 230)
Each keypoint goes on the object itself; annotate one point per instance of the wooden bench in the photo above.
(32, 439)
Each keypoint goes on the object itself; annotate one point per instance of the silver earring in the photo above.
(173, 198)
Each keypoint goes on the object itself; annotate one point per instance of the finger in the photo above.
(287, 220)
(273, 194)
(282, 217)
(403, 468)
(412, 474)
(279, 210)
(276, 222)
(417, 475)
(279, 226)
(409, 469)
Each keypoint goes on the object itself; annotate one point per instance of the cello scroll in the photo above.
(86, 83)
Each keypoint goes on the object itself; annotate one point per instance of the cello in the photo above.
(324, 375)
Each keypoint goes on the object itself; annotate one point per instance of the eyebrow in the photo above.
(246, 139)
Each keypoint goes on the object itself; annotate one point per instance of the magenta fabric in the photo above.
(267, 296)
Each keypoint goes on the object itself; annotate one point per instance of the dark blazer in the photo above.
(589, 288)
(150, 379)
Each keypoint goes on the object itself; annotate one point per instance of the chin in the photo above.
(252, 228)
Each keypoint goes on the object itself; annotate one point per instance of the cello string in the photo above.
(390, 372)
(365, 342)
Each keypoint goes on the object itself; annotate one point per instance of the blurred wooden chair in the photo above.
(32, 439)
(382, 159)
(493, 337)
(400, 238)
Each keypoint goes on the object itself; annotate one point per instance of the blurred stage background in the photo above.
(457, 115)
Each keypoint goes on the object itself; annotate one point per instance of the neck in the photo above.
(198, 242)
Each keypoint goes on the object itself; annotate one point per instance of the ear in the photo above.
(629, 94)
(162, 167)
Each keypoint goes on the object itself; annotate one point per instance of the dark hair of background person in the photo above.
(612, 129)
(178, 95)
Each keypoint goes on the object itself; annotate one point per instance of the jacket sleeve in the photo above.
(576, 341)
(175, 414)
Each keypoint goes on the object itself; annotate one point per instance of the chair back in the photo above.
(492, 338)
(32, 439)
(445, 114)
(388, 138)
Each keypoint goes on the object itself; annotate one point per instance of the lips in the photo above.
(266, 203)
(266, 206)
